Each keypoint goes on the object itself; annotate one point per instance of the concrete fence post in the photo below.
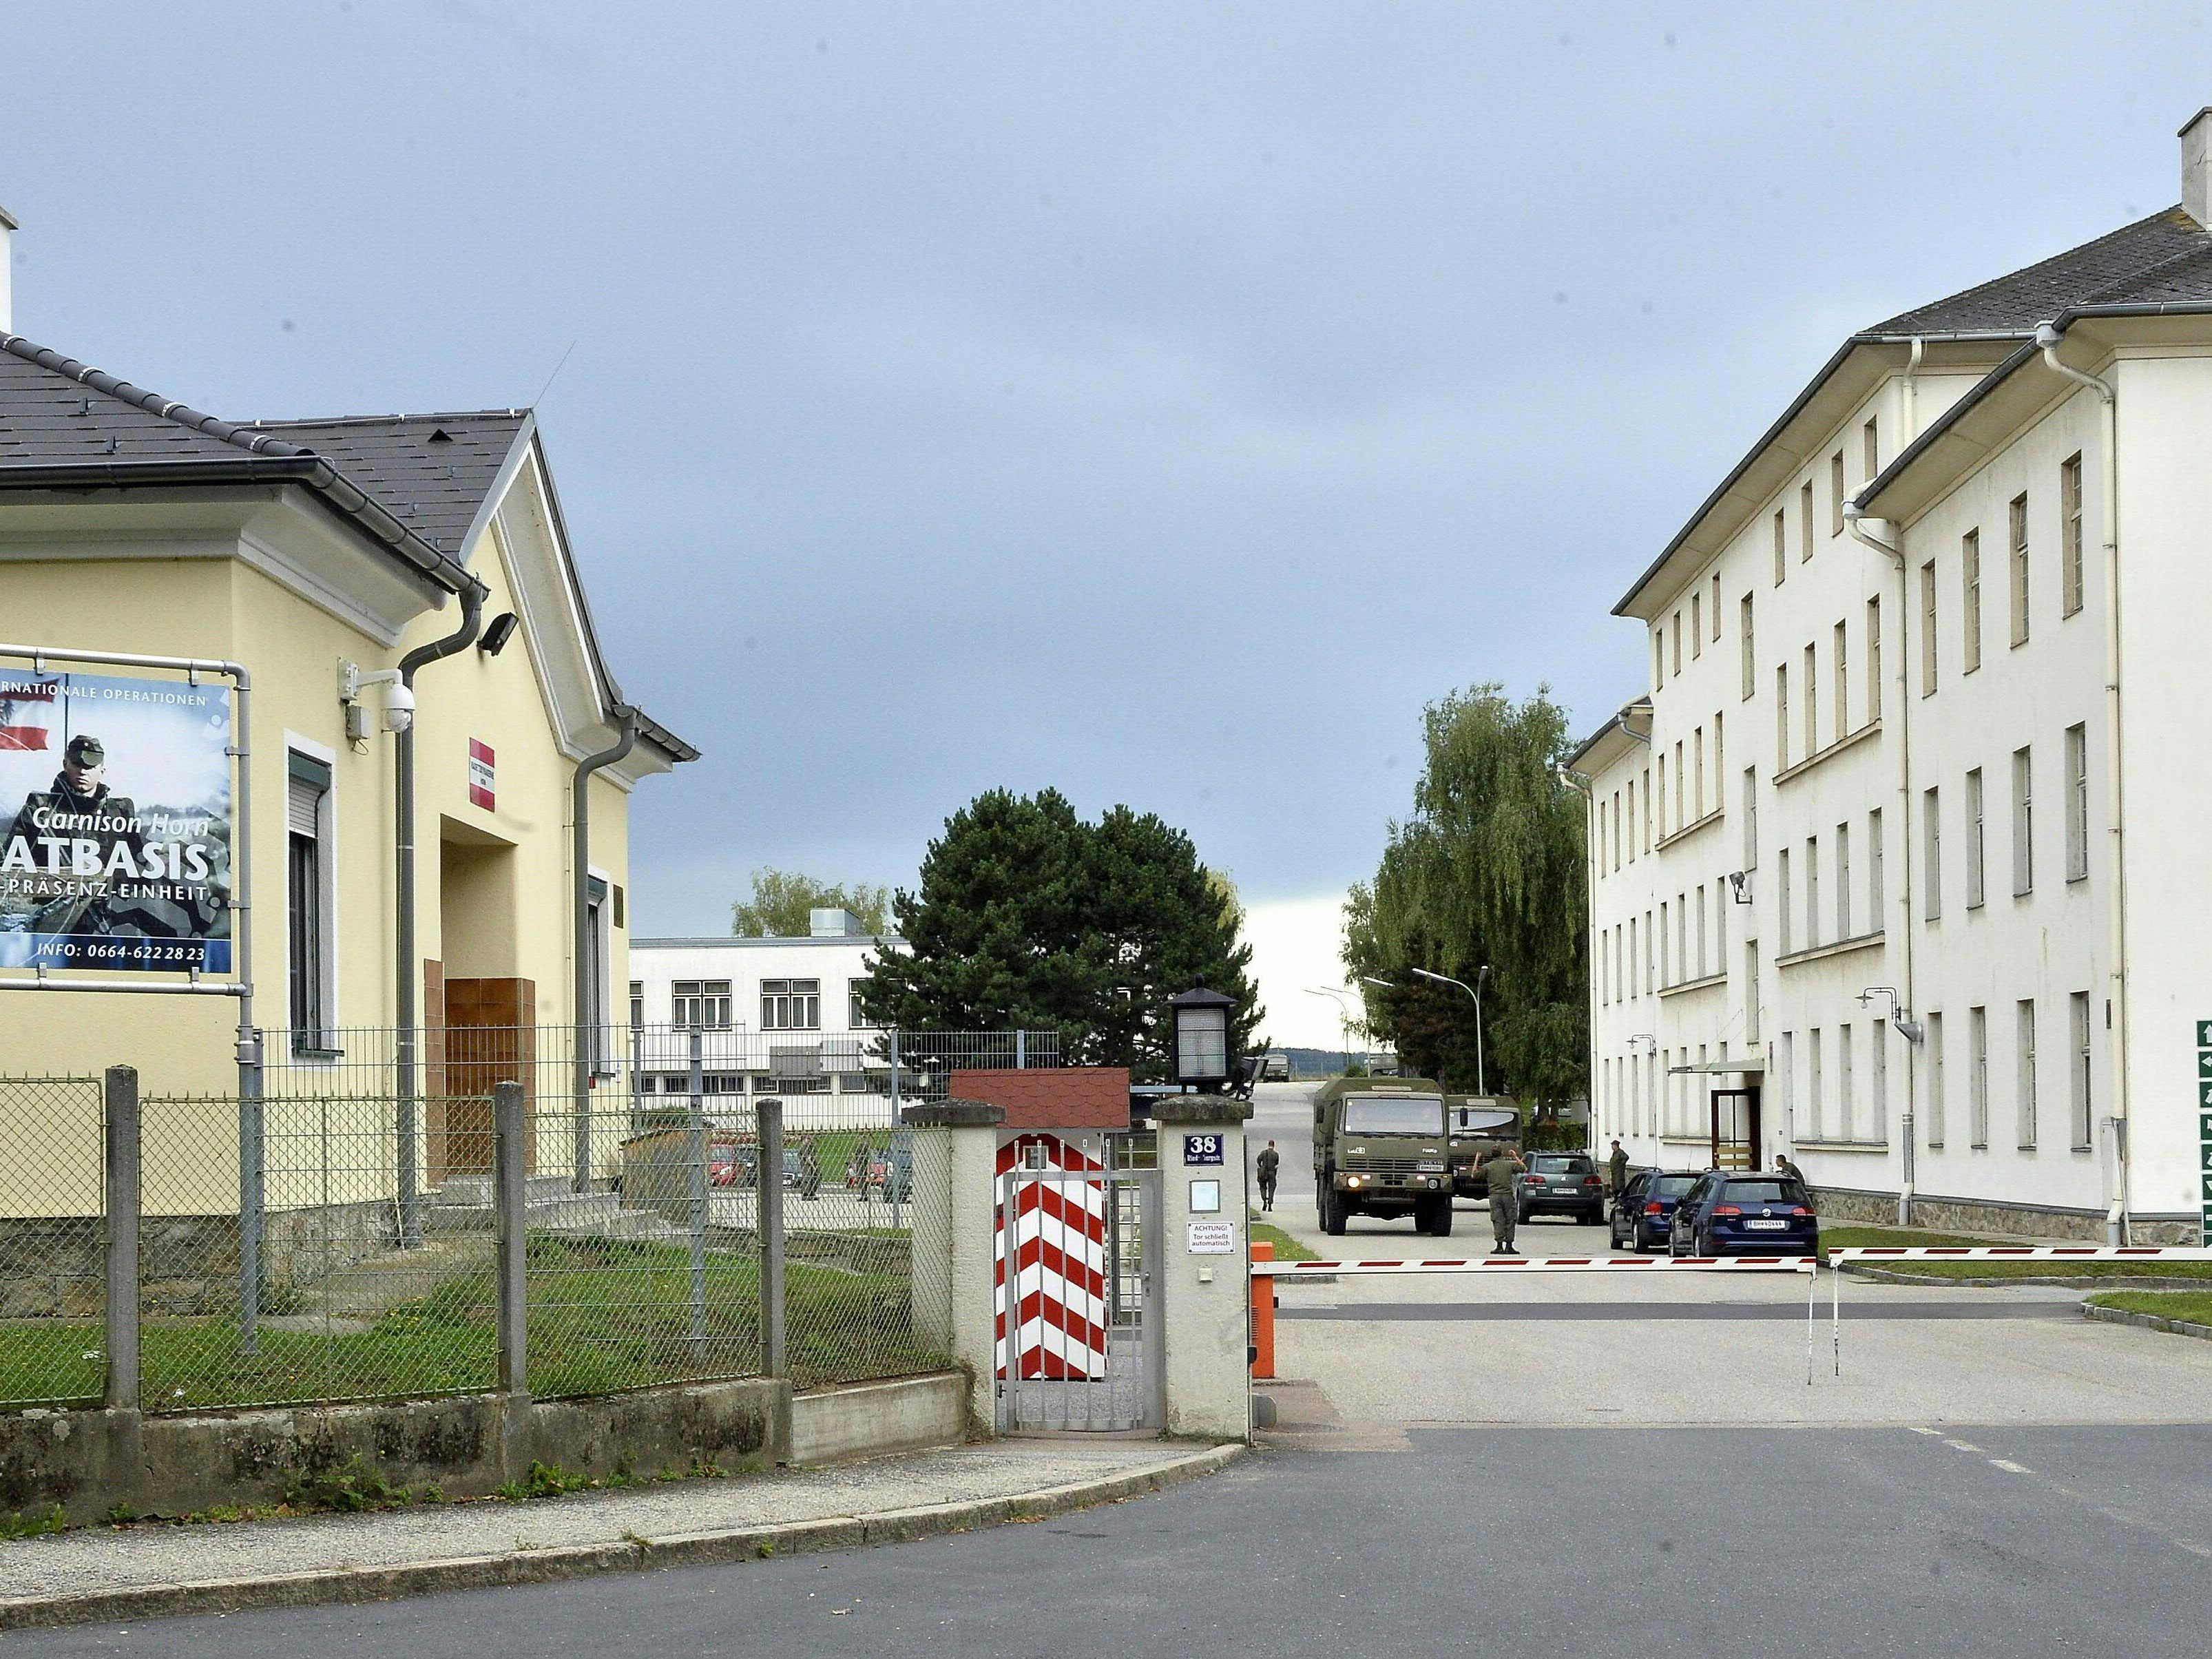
(768, 1169)
(1203, 1287)
(120, 1116)
(509, 1133)
(970, 1239)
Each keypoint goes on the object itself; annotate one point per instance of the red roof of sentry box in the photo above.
(1052, 1097)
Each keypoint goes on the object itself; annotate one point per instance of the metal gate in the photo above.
(1078, 1339)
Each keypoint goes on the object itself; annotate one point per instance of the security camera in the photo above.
(399, 706)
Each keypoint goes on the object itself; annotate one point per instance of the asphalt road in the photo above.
(1589, 1464)
(1651, 1542)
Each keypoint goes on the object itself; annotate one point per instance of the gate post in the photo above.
(968, 1236)
(1203, 1288)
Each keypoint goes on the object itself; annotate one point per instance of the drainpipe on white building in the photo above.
(1911, 399)
(2047, 337)
(1855, 520)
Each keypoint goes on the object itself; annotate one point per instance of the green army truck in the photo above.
(1381, 1147)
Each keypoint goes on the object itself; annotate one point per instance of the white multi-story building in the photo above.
(1899, 865)
(776, 1015)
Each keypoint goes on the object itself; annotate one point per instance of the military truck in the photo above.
(1481, 1126)
(1381, 1147)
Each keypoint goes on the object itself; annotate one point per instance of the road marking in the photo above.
(1962, 1445)
(2009, 1466)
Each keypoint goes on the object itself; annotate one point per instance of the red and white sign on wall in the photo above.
(480, 775)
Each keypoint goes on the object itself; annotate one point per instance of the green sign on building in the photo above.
(2205, 1126)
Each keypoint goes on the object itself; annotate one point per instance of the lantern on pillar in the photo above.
(1199, 1058)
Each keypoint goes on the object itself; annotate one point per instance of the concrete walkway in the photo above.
(134, 1572)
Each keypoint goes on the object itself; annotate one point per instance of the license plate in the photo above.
(1767, 1226)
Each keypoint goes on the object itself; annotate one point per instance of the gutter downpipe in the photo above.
(403, 792)
(2047, 335)
(1856, 522)
(585, 964)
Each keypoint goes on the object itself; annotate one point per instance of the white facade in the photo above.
(777, 1015)
(1914, 799)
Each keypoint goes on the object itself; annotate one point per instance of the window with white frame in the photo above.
(704, 1003)
(1874, 894)
(1873, 661)
(1871, 454)
(1782, 897)
(2069, 530)
(1781, 550)
(1847, 1116)
(1701, 931)
(1970, 591)
(2018, 520)
(1816, 1101)
(1786, 1053)
(1751, 817)
(1805, 520)
(1935, 1129)
(636, 1003)
(311, 905)
(1782, 718)
(1698, 777)
(2023, 823)
(1812, 891)
(1747, 654)
(790, 1004)
(1974, 839)
(1928, 629)
(1878, 1080)
(596, 1015)
(1751, 991)
(1977, 1076)
(1843, 881)
(1843, 691)
(2024, 1024)
(1677, 641)
(2077, 1033)
(856, 1014)
(1812, 704)
(1931, 828)
(2077, 803)
(1835, 494)
(1696, 626)
(1716, 607)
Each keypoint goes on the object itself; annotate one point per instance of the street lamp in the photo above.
(1343, 1016)
(1201, 1048)
(1474, 991)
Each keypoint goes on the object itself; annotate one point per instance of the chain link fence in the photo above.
(334, 1237)
(53, 1302)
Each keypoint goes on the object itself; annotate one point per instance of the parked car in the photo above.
(1644, 1211)
(1276, 1068)
(1728, 1212)
(1565, 1182)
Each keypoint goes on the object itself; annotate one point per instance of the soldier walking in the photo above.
(1504, 1172)
(1271, 1166)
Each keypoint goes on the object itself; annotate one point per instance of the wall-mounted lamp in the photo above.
(499, 633)
(1738, 882)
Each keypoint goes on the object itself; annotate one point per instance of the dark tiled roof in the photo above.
(432, 472)
(2157, 253)
(56, 410)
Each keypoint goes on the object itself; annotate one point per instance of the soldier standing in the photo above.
(1617, 1163)
(1504, 1172)
(1271, 1166)
(79, 807)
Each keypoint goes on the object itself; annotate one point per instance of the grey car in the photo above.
(1563, 1182)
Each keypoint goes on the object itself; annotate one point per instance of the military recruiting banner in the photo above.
(116, 796)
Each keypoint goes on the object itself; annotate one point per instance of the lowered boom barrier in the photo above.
(1878, 1254)
(1266, 1270)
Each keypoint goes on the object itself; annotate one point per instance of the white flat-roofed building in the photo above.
(774, 1015)
(1898, 866)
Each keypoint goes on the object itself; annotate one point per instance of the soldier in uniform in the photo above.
(79, 807)
(1270, 1166)
(1504, 1172)
(1618, 1166)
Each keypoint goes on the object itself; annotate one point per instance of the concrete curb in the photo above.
(2078, 1282)
(350, 1585)
(2146, 1322)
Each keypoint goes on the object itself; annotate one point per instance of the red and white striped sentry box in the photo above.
(1052, 1269)
(1521, 1266)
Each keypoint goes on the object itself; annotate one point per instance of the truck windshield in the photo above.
(1394, 1116)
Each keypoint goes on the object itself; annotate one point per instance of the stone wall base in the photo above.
(92, 1463)
(1964, 1215)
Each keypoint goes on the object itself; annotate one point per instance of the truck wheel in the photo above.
(1332, 1212)
(1440, 1218)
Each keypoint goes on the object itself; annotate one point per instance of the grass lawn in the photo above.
(1843, 1238)
(1286, 1247)
(604, 1316)
(2193, 1306)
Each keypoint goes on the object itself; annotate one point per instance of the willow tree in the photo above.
(1488, 870)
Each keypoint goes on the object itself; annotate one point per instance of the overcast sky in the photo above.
(1160, 402)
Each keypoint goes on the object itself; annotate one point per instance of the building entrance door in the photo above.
(1736, 1128)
